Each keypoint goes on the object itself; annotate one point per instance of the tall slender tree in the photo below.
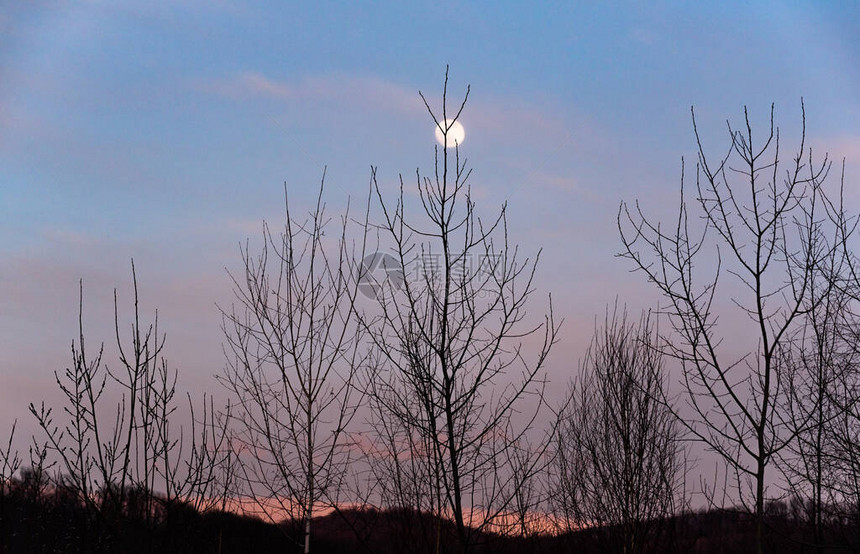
(458, 374)
(117, 443)
(294, 350)
(619, 460)
(761, 220)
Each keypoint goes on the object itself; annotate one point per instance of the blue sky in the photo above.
(164, 131)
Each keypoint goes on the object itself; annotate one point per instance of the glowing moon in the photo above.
(456, 133)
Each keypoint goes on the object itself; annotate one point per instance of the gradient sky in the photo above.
(164, 130)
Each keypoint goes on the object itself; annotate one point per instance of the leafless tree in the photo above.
(10, 462)
(760, 221)
(841, 479)
(293, 356)
(842, 365)
(457, 377)
(113, 456)
(820, 364)
(619, 459)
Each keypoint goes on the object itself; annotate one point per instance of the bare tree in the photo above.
(293, 356)
(453, 387)
(829, 450)
(761, 219)
(820, 364)
(618, 461)
(125, 456)
(842, 365)
(10, 462)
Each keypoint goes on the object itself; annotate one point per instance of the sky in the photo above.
(164, 131)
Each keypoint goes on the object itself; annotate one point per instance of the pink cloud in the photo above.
(258, 84)
(71, 238)
(845, 146)
(342, 89)
(563, 183)
(502, 117)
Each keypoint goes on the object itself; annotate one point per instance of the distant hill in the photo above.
(52, 521)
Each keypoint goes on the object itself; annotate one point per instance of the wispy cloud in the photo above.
(502, 117)
(841, 147)
(174, 12)
(343, 89)
(250, 85)
(64, 237)
(561, 183)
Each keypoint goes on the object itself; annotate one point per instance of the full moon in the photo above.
(456, 133)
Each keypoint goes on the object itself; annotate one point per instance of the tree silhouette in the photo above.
(618, 465)
(763, 221)
(453, 390)
(128, 459)
(294, 353)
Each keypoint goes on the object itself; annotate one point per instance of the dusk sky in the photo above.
(164, 131)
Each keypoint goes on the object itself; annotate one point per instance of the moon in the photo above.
(455, 131)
